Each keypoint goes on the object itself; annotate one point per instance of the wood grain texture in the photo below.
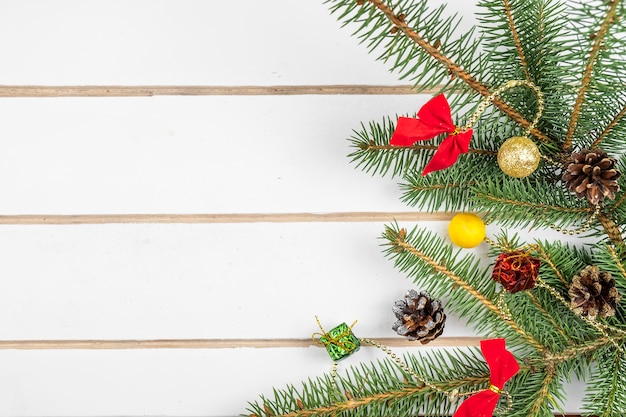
(236, 90)
(214, 343)
(223, 218)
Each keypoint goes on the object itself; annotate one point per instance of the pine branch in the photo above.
(617, 262)
(516, 39)
(615, 213)
(618, 203)
(609, 128)
(607, 397)
(551, 333)
(373, 154)
(450, 189)
(436, 194)
(539, 406)
(547, 316)
(577, 352)
(534, 390)
(574, 264)
(398, 21)
(540, 28)
(612, 229)
(453, 68)
(399, 244)
(382, 388)
(609, 19)
(526, 202)
(430, 49)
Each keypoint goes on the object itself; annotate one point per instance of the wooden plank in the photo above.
(199, 281)
(236, 90)
(189, 42)
(192, 154)
(170, 382)
(223, 218)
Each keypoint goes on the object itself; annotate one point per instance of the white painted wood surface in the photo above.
(185, 155)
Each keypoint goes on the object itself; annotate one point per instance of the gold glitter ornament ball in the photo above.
(518, 157)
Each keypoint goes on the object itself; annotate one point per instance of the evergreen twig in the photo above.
(470, 80)
(397, 240)
(575, 352)
(618, 117)
(516, 39)
(609, 19)
(612, 229)
(547, 315)
(545, 257)
(544, 393)
(419, 147)
(618, 261)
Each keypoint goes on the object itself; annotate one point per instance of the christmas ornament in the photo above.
(502, 366)
(593, 293)
(433, 119)
(516, 271)
(419, 317)
(340, 342)
(466, 230)
(591, 174)
(518, 157)
(337, 338)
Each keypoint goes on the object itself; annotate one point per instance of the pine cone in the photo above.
(593, 293)
(591, 174)
(419, 317)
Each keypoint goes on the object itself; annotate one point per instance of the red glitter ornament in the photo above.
(516, 271)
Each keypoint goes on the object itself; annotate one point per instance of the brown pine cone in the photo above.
(419, 317)
(591, 174)
(593, 293)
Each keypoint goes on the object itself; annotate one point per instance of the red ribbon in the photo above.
(433, 119)
(503, 366)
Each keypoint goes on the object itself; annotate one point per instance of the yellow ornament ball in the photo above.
(466, 230)
(518, 157)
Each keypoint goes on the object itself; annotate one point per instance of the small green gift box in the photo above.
(340, 342)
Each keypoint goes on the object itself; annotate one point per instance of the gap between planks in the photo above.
(66, 219)
(198, 90)
(212, 343)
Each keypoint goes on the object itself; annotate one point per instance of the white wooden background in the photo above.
(200, 234)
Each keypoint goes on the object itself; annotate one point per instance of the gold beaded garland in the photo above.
(518, 157)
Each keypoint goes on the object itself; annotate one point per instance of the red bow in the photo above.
(503, 366)
(433, 119)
